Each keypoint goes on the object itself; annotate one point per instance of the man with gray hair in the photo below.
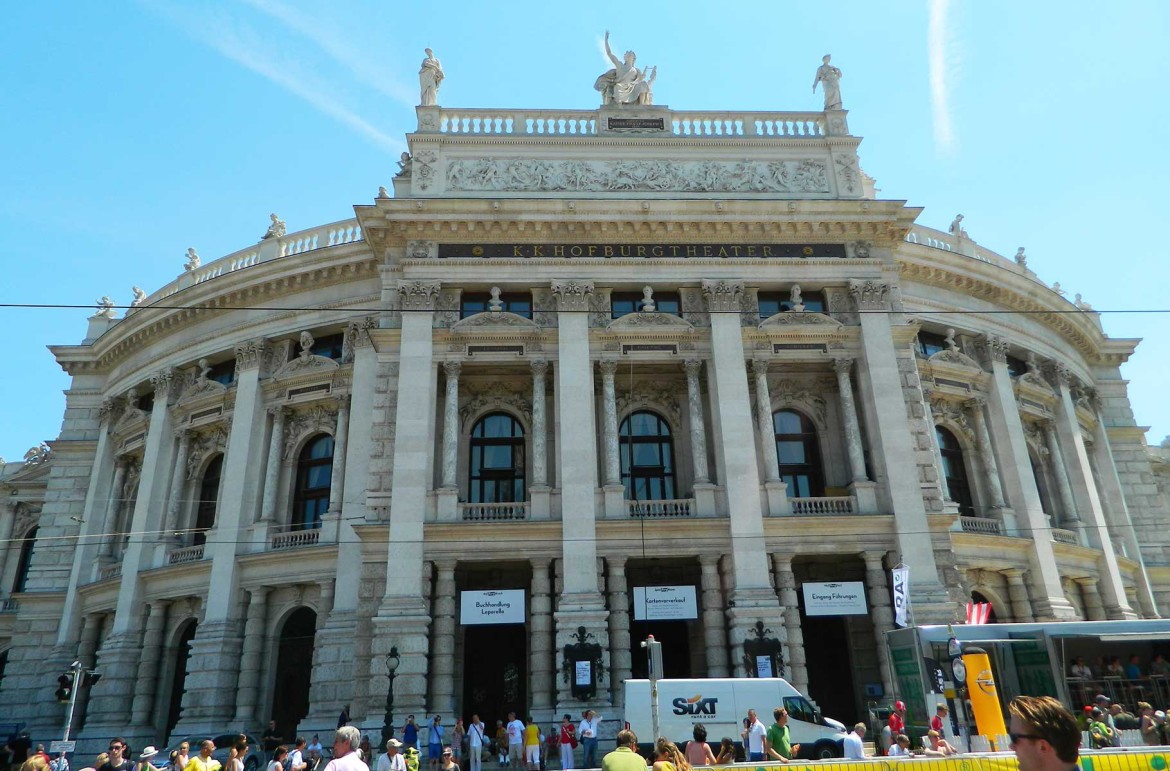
(345, 751)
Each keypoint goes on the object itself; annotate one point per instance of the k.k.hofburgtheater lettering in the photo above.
(643, 251)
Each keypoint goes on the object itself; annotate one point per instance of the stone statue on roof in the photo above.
(625, 83)
(193, 260)
(105, 307)
(276, 229)
(139, 296)
(830, 79)
(430, 77)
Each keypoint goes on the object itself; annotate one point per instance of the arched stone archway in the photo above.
(294, 669)
(182, 654)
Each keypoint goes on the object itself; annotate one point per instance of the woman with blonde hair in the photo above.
(667, 756)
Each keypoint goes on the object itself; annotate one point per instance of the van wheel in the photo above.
(825, 751)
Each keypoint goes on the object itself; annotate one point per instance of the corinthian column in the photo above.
(613, 472)
(272, 469)
(764, 419)
(539, 430)
(849, 412)
(451, 425)
(178, 483)
(340, 442)
(443, 660)
(990, 469)
(698, 433)
(1068, 505)
(113, 508)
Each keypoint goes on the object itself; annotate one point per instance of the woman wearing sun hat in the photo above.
(144, 759)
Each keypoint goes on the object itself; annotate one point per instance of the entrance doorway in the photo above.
(495, 673)
(294, 669)
(683, 652)
(830, 671)
(179, 681)
(675, 637)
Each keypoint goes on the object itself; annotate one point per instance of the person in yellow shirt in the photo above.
(203, 761)
(532, 741)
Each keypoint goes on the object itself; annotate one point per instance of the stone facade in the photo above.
(246, 514)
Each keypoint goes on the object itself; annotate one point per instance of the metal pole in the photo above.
(76, 669)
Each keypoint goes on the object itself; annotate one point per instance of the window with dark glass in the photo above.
(224, 372)
(955, 471)
(329, 346)
(1041, 485)
(799, 454)
(1016, 366)
(314, 474)
(471, 303)
(772, 303)
(930, 343)
(625, 303)
(146, 402)
(208, 500)
(496, 467)
(647, 457)
(25, 562)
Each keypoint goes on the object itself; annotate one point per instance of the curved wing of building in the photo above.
(586, 376)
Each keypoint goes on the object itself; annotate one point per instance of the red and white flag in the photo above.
(978, 612)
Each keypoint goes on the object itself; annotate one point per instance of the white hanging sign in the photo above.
(494, 606)
(901, 581)
(664, 603)
(841, 598)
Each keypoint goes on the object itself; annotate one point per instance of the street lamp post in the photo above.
(392, 660)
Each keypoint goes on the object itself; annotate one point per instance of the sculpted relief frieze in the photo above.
(528, 175)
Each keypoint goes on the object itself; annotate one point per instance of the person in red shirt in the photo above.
(939, 721)
(898, 719)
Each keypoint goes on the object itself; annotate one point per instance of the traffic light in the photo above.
(91, 679)
(65, 689)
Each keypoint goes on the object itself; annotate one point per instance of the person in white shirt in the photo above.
(345, 754)
(753, 738)
(476, 739)
(901, 747)
(278, 756)
(392, 760)
(854, 749)
(587, 733)
(296, 759)
(515, 740)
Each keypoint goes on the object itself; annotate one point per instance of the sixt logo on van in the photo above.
(696, 705)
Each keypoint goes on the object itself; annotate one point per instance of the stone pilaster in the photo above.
(693, 368)
(619, 626)
(1069, 518)
(891, 440)
(152, 651)
(539, 424)
(251, 660)
(443, 642)
(91, 629)
(451, 425)
(764, 420)
(213, 677)
(986, 455)
(114, 505)
(340, 454)
(881, 611)
(1018, 595)
(272, 468)
(714, 624)
(930, 410)
(171, 527)
(613, 472)
(540, 654)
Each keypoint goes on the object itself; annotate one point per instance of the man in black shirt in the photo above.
(117, 761)
(272, 739)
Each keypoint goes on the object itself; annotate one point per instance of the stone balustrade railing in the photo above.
(187, 554)
(11, 605)
(1060, 535)
(109, 571)
(505, 122)
(830, 506)
(677, 507)
(493, 512)
(294, 539)
(333, 234)
(985, 525)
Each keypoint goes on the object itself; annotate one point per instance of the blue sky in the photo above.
(131, 131)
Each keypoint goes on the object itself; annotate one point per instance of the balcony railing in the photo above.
(295, 539)
(822, 507)
(188, 554)
(11, 605)
(677, 507)
(109, 571)
(493, 512)
(984, 525)
(1060, 535)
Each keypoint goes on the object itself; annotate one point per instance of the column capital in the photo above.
(1013, 575)
(357, 335)
(874, 560)
(166, 384)
(539, 367)
(418, 294)
(995, 347)
(693, 367)
(572, 294)
(251, 355)
(1088, 582)
(615, 562)
(870, 295)
(760, 366)
(843, 365)
(183, 434)
(279, 413)
(343, 401)
(608, 367)
(1060, 374)
(722, 295)
(158, 606)
(782, 561)
(976, 404)
(452, 368)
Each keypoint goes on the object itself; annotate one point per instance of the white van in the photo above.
(721, 704)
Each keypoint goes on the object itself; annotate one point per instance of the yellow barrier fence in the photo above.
(1096, 760)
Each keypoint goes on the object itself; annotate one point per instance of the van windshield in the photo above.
(799, 709)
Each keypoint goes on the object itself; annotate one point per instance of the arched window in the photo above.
(955, 471)
(25, 561)
(647, 456)
(495, 473)
(208, 500)
(314, 473)
(799, 454)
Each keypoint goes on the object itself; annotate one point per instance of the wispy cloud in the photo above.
(344, 49)
(944, 58)
(285, 68)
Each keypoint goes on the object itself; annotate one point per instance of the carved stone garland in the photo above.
(314, 419)
(482, 398)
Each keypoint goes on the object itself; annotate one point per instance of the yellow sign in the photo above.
(984, 698)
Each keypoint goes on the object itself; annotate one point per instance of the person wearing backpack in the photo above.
(1100, 734)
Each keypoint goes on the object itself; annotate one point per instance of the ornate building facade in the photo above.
(575, 355)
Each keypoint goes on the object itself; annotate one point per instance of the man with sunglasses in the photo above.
(1044, 734)
(117, 761)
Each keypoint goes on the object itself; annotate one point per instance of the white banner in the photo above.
(664, 603)
(901, 579)
(494, 606)
(842, 598)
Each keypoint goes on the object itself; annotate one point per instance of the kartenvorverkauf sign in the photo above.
(665, 603)
(841, 598)
(494, 606)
